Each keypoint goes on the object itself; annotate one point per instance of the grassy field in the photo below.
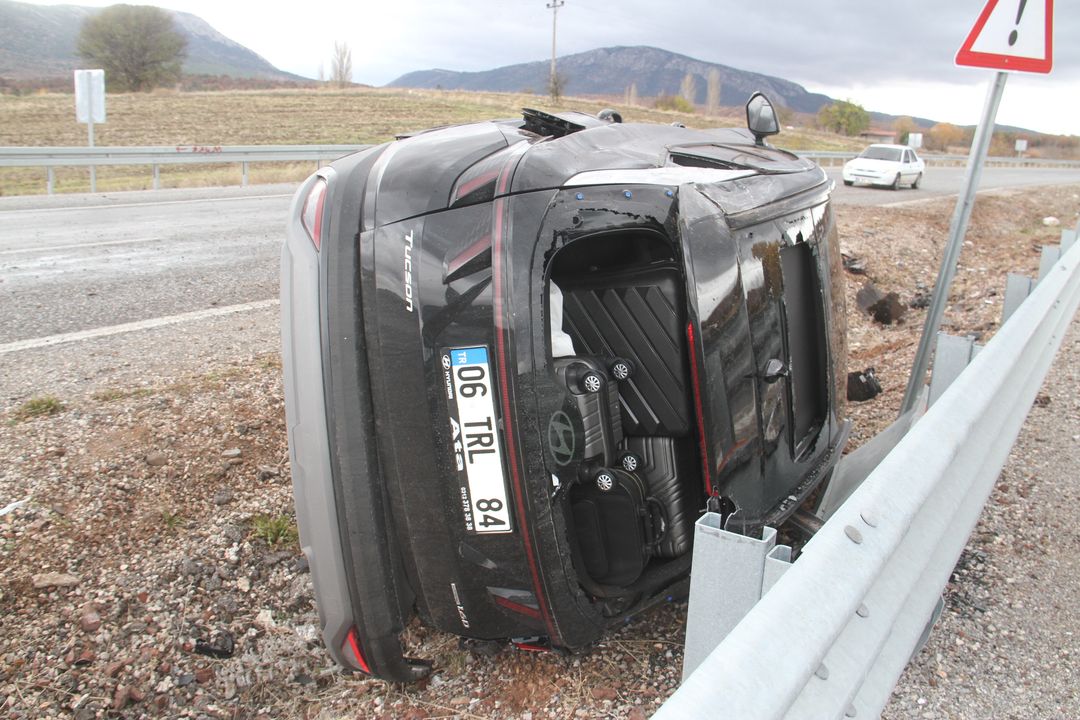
(282, 117)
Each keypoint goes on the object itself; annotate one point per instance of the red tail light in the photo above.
(352, 646)
(311, 217)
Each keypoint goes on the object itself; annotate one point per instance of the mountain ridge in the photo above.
(611, 70)
(38, 41)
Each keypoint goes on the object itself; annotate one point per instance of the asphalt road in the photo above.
(945, 181)
(82, 262)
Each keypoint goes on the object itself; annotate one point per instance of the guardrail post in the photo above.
(157, 177)
(1068, 237)
(1050, 255)
(50, 183)
(731, 573)
(951, 355)
(243, 174)
(1017, 288)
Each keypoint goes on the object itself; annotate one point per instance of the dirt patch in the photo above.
(184, 604)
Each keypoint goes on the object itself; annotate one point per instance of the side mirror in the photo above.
(761, 117)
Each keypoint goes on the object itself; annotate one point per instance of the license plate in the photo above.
(474, 429)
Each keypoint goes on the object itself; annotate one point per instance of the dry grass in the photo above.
(281, 117)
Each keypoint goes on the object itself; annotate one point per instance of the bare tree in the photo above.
(138, 46)
(322, 74)
(631, 94)
(712, 93)
(688, 89)
(341, 65)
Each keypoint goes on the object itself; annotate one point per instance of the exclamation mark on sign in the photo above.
(1019, 14)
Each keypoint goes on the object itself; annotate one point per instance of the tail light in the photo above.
(311, 217)
(352, 647)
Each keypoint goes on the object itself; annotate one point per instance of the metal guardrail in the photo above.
(52, 157)
(831, 157)
(833, 634)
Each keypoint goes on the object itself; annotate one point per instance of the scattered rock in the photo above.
(54, 579)
(113, 669)
(156, 459)
(223, 496)
(604, 693)
(204, 675)
(221, 647)
(1051, 221)
(90, 620)
(232, 453)
(920, 300)
(863, 385)
(884, 308)
(121, 697)
(853, 265)
(267, 471)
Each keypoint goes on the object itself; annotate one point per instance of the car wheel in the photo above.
(849, 182)
(918, 179)
(896, 182)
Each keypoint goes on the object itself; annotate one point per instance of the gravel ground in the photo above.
(153, 569)
(1008, 642)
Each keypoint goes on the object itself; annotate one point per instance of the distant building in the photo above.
(879, 135)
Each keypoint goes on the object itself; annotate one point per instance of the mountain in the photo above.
(610, 71)
(38, 41)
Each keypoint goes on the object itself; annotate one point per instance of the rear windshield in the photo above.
(881, 153)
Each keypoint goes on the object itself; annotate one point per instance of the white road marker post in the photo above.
(90, 107)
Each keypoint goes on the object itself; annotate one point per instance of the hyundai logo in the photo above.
(561, 438)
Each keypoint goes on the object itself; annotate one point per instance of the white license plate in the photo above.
(474, 429)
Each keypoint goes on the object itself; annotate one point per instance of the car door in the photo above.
(907, 167)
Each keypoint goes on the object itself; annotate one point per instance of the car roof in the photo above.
(887, 145)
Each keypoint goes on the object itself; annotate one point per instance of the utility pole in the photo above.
(554, 6)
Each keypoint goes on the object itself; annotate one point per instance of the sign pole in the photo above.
(957, 228)
(90, 140)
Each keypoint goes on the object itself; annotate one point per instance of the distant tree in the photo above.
(712, 92)
(322, 74)
(844, 117)
(945, 135)
(138, 46)
(674, 102)
(904, 126)
(341, 65)
(631, 94)
(688, 89)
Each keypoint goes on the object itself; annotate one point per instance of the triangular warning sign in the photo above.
(1012, 35)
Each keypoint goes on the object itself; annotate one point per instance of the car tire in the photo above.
(918, 179)
(849, 182)
(896, 182)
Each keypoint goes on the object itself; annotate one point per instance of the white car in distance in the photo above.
(886, 166)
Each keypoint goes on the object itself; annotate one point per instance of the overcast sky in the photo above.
(891, 57)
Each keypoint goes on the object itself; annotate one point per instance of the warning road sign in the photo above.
(1011, 35)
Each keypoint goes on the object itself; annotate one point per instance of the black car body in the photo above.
(458, 454)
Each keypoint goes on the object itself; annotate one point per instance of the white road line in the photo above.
(77, 246)
(153, 203)
(100, 332)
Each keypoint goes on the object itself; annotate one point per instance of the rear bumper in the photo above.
(352, 568)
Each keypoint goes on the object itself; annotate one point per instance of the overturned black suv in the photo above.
(522, 357)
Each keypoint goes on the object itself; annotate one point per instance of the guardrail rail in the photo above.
(53, 157)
